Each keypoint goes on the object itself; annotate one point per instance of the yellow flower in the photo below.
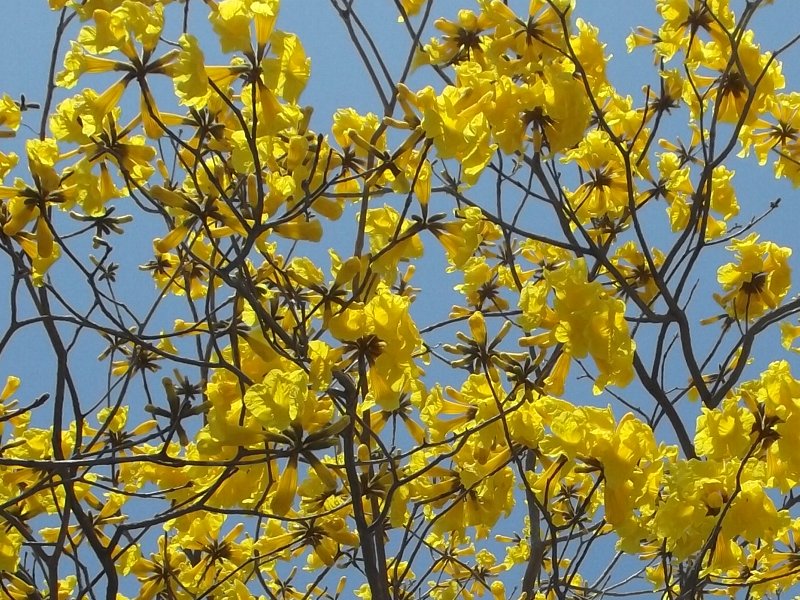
(753, 515)
(279, 400)
(288, 72)
(747, 82)
(161, 571)
(586, 318)
(7, 163)
(780, 134)
(695, 494)
(382, 336)
(758, 281)
(145, 22)
(462, 237)
(6, 403)
(634, 268)
(590, 52)
(391, 240)
(356, 132)
(189, 73)
(232, 20)
(462, 39)
(411, 7)
(9, 553)
(10, 115)
(457, 123)
(724, 432)
(107, 35)
(605, 194)
(688, 17)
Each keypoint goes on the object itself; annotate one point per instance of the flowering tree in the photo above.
(281, 398)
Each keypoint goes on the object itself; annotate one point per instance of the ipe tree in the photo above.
(509, 332)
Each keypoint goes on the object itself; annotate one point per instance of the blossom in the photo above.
(758, 281)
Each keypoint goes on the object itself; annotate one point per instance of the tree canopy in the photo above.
(513, 333)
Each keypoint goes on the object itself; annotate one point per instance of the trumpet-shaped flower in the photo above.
(758, 281)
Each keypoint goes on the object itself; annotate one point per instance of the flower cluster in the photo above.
(335, 415)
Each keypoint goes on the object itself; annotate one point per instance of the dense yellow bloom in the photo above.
(159, 572)
(725, 432)
(481, 287)
(462, 237)
(381, 335)
(590, 52)
(456, 121)
(587, 320)
(279, 400)
(697, 493)
(29, 203)
(758, 281)
(605, 194)
(772, 399)
(307, 433)
(357, 132)
(189, 73)
(676, 188)
(551, 112)
(391, 239)
(687, 17)
(747, 81)
(625, 453)
(526, 44)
